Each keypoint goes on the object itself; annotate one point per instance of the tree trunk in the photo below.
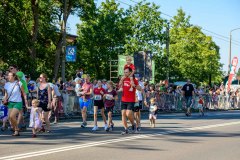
(57, 57)
(35, 27)
(58, 52)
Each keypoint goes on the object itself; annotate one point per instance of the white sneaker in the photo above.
(105, 127)
(95, 128)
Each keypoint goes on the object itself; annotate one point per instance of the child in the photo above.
(35, 117)
(3, 117)
(152, 112)
(110, 97)
(200, 105)
(129, 65)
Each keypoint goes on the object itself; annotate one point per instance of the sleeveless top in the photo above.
(43, 95)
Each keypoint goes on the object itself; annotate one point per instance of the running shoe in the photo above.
(95, 128)
(112, 127)
(138, 129)
(105, 127)
(133, 128)
(124, 132)
(84, 125)
(108, 129)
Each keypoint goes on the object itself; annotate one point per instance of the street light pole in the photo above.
(167, 49)
(230, 49)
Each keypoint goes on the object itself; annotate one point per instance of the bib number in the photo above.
(97, 97)
(109, 97)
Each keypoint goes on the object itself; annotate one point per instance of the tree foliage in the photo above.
(31, 37)
(192, 54)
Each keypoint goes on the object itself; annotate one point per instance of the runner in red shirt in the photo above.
(99, 105)
(85, 100)
(128, 99)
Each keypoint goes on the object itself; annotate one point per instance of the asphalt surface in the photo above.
(176, 137)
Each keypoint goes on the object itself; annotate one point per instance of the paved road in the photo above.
(176, 137)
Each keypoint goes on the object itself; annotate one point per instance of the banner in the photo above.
(71, 52)
(232, 72)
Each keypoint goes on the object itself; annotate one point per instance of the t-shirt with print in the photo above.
(110, 100)
(188, 89)
(13, 87)
(130, 66)
(3, 112)
(86, 88)
(129, 96)
(97, 94)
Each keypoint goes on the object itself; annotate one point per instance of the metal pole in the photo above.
(230, 53)
(167, 49)
(64, 41)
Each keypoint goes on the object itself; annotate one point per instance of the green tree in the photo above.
(146, 28)
(101, 38)
(192, 54)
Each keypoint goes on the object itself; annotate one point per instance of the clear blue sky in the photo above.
(218, 16)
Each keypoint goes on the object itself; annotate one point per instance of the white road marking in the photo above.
(92, 144)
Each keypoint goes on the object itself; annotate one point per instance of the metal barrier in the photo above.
(165, 101)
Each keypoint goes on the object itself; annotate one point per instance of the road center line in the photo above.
(92, 144)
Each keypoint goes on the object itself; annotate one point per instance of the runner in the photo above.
(99, 105)
(128, 99)
(137, 107)
(110, 97)
(188, 92)
(84, 100)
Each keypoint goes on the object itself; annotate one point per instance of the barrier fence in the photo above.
(69, 104)
(165, 102)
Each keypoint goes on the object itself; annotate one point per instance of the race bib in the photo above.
(109, 97)
(97, 97)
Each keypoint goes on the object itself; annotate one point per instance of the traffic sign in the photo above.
(71, 52)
